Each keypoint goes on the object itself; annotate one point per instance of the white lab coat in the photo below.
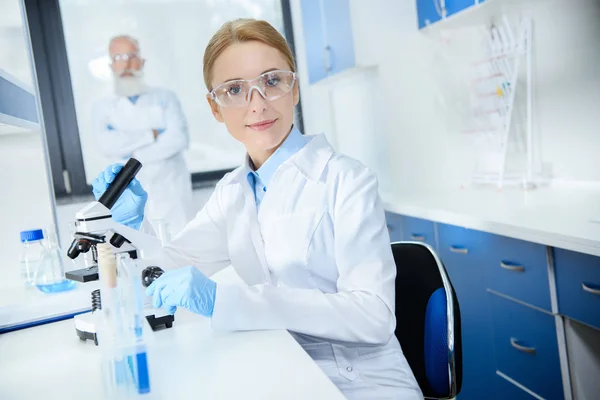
(164, 174)
(317, 261)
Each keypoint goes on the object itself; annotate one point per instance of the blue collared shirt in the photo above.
(259, 179)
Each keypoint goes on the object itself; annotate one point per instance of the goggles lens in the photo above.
(271, 85)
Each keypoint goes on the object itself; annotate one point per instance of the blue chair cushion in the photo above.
(436, 342)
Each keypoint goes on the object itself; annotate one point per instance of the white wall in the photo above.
(27, 199)
(14, 54)
(425, 144)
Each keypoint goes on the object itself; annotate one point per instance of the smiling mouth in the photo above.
(262, 125)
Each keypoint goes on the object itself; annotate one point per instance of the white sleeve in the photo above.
(113, 143)
(202, 243)
(173, 140)
(362, 311)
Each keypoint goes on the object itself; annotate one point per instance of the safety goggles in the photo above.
(122, 59)
(271, 85)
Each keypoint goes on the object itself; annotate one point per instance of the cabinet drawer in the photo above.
(394, 225)
(518, 269)
(419, 230)
(578, 286)
(460, 243)
(507, 390)
(526, 346)
(461, 250)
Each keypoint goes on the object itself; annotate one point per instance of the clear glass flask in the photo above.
(50, 274)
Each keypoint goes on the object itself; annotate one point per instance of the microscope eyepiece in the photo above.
(77, 247)
(73, 251)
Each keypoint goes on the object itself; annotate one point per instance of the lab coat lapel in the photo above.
(255, 235)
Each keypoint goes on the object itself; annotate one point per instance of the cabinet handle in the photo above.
(512, 267)
(514, 343)
(590, 289)
(460, 250)
(327, 58)
(419, 238)
(390, 228)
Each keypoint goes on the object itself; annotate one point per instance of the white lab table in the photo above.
(188, 361)
(564, 216)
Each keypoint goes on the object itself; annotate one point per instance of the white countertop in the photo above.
(564, 217)
(20, 305)
(188, 361)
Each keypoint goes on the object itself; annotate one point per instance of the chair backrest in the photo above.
(428, 320)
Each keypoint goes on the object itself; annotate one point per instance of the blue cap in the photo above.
(30, 236)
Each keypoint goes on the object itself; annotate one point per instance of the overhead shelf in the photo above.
(18, 106)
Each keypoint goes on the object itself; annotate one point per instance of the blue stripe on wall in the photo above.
(17, 102)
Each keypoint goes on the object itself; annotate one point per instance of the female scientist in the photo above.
(303, 226)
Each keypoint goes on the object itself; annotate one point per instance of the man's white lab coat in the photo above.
(124, 129)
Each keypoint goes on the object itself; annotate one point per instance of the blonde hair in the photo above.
(243, 30)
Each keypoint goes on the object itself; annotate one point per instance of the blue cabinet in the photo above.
(507, 390)
(338, 34)
(518, 269)
(404, 228)
(431, 11)
(428, 12)
(456, 6)
(327, 27)
(463, 253)
(418, 230)
(314, 39)
(526, 346)
(578, 286)
(510, 340)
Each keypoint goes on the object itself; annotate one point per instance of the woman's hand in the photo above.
(129, 208)
(185, 287)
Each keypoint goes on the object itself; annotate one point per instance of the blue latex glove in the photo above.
(185, 287)
(129, 208)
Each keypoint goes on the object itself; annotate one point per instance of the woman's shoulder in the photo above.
(233, 176)
(337, 165)
(342, 168)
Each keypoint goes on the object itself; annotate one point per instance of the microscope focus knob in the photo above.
(150, 274)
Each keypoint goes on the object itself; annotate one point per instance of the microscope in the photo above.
(94, 225)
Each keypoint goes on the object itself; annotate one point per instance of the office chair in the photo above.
(428, 320)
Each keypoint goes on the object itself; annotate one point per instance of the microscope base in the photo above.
(155, 322)
(83, 335)
(86, 324)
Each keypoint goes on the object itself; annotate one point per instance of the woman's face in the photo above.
(261, 125)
